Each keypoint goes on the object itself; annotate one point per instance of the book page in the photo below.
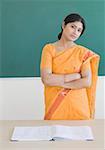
(73, 132)
(32, 133)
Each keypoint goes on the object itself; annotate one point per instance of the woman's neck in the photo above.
(64, 43)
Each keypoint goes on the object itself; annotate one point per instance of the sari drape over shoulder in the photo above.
(67, 104)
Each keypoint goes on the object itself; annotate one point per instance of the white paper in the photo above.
(74, 132)
(31, 133)
(57, 132)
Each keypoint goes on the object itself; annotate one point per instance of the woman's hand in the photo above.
(71, 77)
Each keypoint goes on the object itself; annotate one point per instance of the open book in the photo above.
(52, 132)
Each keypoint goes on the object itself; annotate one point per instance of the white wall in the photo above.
(22, 99)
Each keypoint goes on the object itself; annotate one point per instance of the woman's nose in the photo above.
(75, 32)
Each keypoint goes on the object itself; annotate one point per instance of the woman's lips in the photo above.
(73, 36)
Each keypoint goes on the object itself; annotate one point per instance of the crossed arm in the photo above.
(69, 81)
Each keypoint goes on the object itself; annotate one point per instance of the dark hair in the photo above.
(72, 18)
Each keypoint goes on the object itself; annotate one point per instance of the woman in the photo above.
(69, 73)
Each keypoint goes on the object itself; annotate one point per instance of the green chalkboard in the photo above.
(27, 25)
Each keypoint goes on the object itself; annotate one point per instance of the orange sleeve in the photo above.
(86, 66)
(91, 61)
(46, 58)
(86, 61)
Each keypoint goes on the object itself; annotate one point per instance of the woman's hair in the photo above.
(72, 18)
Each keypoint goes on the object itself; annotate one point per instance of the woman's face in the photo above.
(72, 30)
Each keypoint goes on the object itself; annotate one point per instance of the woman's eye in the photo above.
(72, 26)
(79, 30)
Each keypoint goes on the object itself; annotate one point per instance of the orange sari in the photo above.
(66, 104)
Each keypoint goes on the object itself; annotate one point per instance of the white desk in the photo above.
(6, 129)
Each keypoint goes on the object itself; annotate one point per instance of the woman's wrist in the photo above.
(72, 77)
(67, 78)
(64, 76)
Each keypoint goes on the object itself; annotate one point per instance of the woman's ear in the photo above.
(63, 25)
